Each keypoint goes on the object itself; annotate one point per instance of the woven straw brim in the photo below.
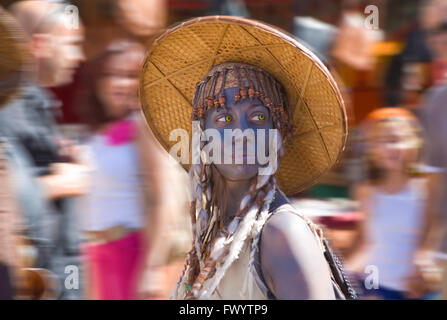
(14, 57)
(183, 55)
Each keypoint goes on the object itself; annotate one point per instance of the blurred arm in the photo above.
(155, 173)
(11, 223)
(433, 227)
(66, 180)
(355, 262)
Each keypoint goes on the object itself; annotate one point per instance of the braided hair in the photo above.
(214, 246)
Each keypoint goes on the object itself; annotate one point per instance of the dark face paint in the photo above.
(246, 114)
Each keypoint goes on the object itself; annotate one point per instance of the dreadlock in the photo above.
(214, 246)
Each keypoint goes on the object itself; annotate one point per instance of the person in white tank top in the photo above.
(124, 212)
(393, 252)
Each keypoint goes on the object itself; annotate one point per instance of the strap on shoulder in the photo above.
(316, 230)
(341, 284)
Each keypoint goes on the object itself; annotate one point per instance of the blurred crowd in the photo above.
(98, 193)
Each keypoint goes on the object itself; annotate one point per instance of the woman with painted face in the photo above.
(267, 120)
(392, 254)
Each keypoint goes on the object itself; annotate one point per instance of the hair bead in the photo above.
(201, 112)
(251, 92)
(237, 97)
(209, 102)
(222, 100)
(243, 92)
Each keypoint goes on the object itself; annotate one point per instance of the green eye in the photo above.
(226, 118)
(259, 117)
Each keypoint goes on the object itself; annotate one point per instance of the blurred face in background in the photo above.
(54, 44)
(61, 55)
(415, 76)
(394, 144)
(415, 80)
(432, 13)
(117, 87)
(438, 43)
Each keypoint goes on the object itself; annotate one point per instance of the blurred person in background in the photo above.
(394, 235)
(435, 124)
(13, 63)
(236, 8)
(124, 212)
(44, 174)
(416, 58)
(437, 40)
(434, 120)
(8, 229)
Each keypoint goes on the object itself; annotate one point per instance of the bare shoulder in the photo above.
(363, 190)
(363, 194)
(292, 259)
(288, 225)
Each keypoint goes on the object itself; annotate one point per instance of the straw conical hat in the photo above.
(13, 56)
(184, 54)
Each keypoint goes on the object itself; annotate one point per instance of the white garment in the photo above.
(238, 283)
(393, 233)
(231, 287)
(115, 195)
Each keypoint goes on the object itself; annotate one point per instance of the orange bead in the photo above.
(222, 100)
(243, 93)
(209, 102)
(251, 92)
(237, 97)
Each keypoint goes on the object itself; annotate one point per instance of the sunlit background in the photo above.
(68, 97)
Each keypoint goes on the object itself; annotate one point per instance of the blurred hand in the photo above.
(74, 153)
(152, 284)
(67, 169)
(73, 178)
(416, 287)
(66, 180)
(426, 277)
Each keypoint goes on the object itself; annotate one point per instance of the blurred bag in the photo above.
(340, 282)
(6, 286)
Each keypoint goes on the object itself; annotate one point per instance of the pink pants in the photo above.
(113, 267)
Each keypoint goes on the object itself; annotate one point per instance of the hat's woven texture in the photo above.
(184, 54)
(13, 56)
